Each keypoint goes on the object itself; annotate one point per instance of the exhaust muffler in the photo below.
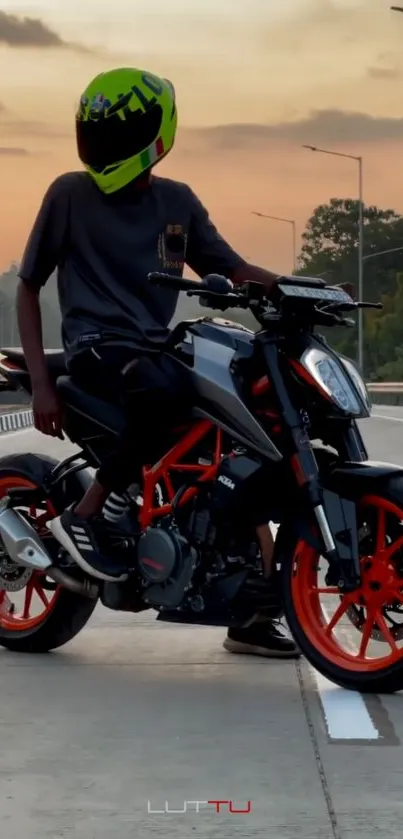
(83, 587)
(21, 542)
(25, 548)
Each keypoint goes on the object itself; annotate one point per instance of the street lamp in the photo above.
(294, 234)
(360, 245)
(381, 253)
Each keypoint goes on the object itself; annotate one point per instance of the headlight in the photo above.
(358, 382)
(330, 376)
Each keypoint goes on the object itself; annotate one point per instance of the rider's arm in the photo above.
(42, 254)
(206, 251)
(209, 253)
(30, 329)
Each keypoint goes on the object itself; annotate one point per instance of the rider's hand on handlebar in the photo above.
(217, 284)
(47, 410)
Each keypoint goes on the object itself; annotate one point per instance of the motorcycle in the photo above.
(273, 437)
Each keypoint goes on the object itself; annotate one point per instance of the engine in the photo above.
(167, 563)
(204, 550)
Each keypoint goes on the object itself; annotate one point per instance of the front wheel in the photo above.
(36, 614)
(368, 656)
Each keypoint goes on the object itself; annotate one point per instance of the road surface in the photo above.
(133, 716)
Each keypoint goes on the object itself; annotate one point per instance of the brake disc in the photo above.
(356, 613)
(357, 617)
(13, 577)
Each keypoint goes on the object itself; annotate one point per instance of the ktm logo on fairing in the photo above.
(226, 481)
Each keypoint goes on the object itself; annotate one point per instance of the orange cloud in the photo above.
(11, 151)
(23, 32)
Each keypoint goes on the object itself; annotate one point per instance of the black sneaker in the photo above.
(263, 639)
(90, 542)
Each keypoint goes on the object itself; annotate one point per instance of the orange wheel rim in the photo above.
(381, 588)
(36, 601)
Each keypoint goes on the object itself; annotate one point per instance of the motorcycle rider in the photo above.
(103, 230)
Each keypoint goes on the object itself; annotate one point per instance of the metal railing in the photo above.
(385, 387)
(386, 393)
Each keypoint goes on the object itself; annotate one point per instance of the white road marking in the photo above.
(386, 417)
(345, 712)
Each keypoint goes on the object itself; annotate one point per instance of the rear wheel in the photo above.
(364, 654)
(36, 614)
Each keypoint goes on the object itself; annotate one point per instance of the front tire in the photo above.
(63, 614)
(372, 666)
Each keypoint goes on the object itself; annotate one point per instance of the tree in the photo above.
(387, 332)
(330, 249)
(330, 243)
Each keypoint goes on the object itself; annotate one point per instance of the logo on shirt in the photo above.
(172, 247)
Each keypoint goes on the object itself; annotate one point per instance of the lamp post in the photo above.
(381, 253)
(294, 233)
(358, 160)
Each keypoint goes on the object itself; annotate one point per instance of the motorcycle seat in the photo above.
(54, 358)
(105, 414)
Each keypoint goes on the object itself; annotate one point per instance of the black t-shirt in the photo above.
(103, 247)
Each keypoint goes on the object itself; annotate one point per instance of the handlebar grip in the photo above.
(217, 283)
(171, 281)
(212, 283)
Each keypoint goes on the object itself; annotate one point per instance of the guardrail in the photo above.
(385, 387)
(15, 421)
(386, 393)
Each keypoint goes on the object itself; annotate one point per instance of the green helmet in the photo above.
(125, 123)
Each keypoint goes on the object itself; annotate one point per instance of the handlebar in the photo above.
(221, 300)
(170, 281)
(311, 306)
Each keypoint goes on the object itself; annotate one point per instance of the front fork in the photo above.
(340, 520)
(339, 530)
(336, 517)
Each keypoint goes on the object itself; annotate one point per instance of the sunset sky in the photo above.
(255, 79)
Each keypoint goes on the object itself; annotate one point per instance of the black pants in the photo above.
(155, 395)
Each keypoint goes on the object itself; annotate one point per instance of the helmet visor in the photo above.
(109, 140)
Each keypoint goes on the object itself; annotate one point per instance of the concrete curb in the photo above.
(15, 421)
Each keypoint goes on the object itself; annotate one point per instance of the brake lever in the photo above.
(339, 307)
(224, 301)
(347, 307)
(326, 318)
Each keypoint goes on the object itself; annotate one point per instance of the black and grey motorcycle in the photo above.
(273, 438)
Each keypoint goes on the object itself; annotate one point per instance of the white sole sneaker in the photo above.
(57, 530)
(240, 648)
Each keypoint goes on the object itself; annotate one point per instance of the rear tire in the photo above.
(68, 617)
(349, 671)
(66, 613)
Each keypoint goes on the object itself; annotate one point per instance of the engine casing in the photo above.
(166, 563)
